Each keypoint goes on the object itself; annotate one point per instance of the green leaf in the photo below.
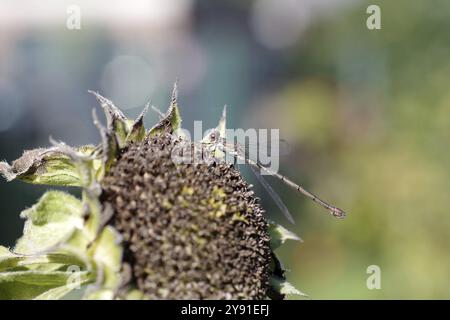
(171, 122)
(137, 131)
(94, 207)
(117, 123)
(279, 235)
(31, 284)
(50, 166)
(222, 126)
(76, 243)
(50, 222)
(6, 171)
(121, 131)
(43, 281)
(109, 149)
(284, 287)
(55, 293)
(21, 291)
(134, 294)
(42, 166)
(106, 253)
(9, 260)
(4, 252)
(86, 149)
(101, 294)
(66, 292)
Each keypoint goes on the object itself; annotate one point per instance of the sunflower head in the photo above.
(146, 226)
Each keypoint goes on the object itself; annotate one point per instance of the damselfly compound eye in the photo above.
(214, 136)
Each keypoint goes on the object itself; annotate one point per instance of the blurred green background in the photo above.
(366, 112)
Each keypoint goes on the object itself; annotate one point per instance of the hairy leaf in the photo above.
(171, 122)
(49, 222)
(284, 287)
(106, 254)
(279, 235)
(31, 284)
(117, 123)
(10, 260)
(137, 131)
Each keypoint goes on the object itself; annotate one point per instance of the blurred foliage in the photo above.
(382, 156)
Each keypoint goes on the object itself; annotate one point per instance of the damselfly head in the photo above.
(214, 136)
